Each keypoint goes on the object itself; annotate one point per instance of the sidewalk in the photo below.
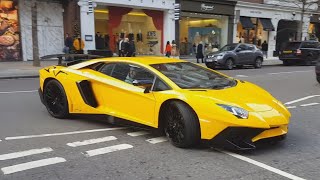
(22, 69)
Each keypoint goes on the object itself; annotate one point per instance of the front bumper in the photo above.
(243, 138)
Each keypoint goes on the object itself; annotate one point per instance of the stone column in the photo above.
(87, 22)
(168, 27)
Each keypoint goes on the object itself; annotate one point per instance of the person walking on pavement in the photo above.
(126, 47)
(121, 47)
(78, 45)
(174, 48)
(67, 44)
(264, 48)
(168, 49)
(200, 52)
(131, 49)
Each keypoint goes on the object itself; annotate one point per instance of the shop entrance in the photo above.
(143, 27)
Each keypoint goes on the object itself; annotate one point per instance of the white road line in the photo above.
(301, 99)
(264, 166)
(24, 153)
(311, 104)
(138, 133)
(241, 75)
(157, 140)
(13, 92)
(291, 107)
(32, 165)
(289, 72)
(106, 150)
(66, 133)
(91, 141)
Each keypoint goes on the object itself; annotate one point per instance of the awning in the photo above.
(246, 23)
(266, 24)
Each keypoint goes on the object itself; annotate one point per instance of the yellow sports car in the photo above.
(188, 101)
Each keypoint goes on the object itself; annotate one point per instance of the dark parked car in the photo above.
(235, 55)
(318, 71)
(305, 52)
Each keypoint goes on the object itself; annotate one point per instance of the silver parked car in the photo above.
(237, 54)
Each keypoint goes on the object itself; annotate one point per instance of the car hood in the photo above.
(245, 95)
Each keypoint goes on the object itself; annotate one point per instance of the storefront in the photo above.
(10, 46)
(149, 24)
(205, 22)
(256, 23)
(314, 27)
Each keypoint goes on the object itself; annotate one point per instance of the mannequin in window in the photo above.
(139, 36)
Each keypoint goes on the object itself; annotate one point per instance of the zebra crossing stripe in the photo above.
(91, 141)
(138, 133)
(106, 150)
(24, 153)
(157, 140)
(32, 165)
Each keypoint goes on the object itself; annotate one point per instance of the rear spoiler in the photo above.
(70, 59)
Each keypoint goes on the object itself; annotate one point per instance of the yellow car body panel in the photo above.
(123, 100)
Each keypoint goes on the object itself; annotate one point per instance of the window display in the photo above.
(9, 31)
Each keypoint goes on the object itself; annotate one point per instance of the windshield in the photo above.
(190, 76)
(229, 47)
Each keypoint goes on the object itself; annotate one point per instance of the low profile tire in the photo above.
(55, 99)
(308, 61)
(181, 125)
(229, 64)
(258, 63)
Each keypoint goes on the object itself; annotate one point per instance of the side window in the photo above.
(139, 76)
(120, 71)
(107, 69)
(251, 47)
(160, 86)
(243, 47)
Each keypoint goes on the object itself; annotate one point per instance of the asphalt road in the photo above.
(34, 145)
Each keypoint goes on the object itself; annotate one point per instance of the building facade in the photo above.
(150, 24)
(275, 22)
(207, 22)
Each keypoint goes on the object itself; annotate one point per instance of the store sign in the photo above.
(205, 7)
(9, 31)
(151, 35)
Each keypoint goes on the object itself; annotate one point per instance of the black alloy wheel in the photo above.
(55, 99)
(229, 64)
(258, 63)
(181, 125)
(308, 61)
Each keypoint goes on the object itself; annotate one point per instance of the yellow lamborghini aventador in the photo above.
(189, 102)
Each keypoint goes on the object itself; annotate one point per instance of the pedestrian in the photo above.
(200, 52)
(264, 48)
(121, 47)
(168, 49)
(67, 44)
(126, 47)
(78, 45)
(131, 49)
(174, 48)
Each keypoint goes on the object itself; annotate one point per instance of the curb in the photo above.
(19, 77)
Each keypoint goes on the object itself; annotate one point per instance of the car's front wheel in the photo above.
(258, 63)
(55, 99)
(229, 64)
(181, 124)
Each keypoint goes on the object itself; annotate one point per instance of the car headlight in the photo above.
(220, 57)
(210, 56)
(238, 112)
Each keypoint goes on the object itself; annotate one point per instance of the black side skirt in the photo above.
(86, 92)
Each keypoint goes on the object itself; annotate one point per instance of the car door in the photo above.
(241, 51)
(250, 54)
(124, 97)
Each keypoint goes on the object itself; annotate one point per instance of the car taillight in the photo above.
(298, 52)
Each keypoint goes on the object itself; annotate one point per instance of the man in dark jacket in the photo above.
(68, 43)
(264, 48)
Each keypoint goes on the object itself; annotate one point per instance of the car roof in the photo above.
(146, 60)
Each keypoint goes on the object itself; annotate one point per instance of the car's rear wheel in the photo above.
(229, 64)
(258, 63)
(55, 99)
(308, 61)
(181, 125)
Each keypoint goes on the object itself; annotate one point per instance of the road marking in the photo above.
(32, 165)
(291, 107)
(106, 150)
(289, 72)
(241, 75)
(138, 133)
(157, 140)
(24, 153)
(91, 141)
(13, 92)
(66, 133)
(264, 166)
(311, 104)
(301, 99)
